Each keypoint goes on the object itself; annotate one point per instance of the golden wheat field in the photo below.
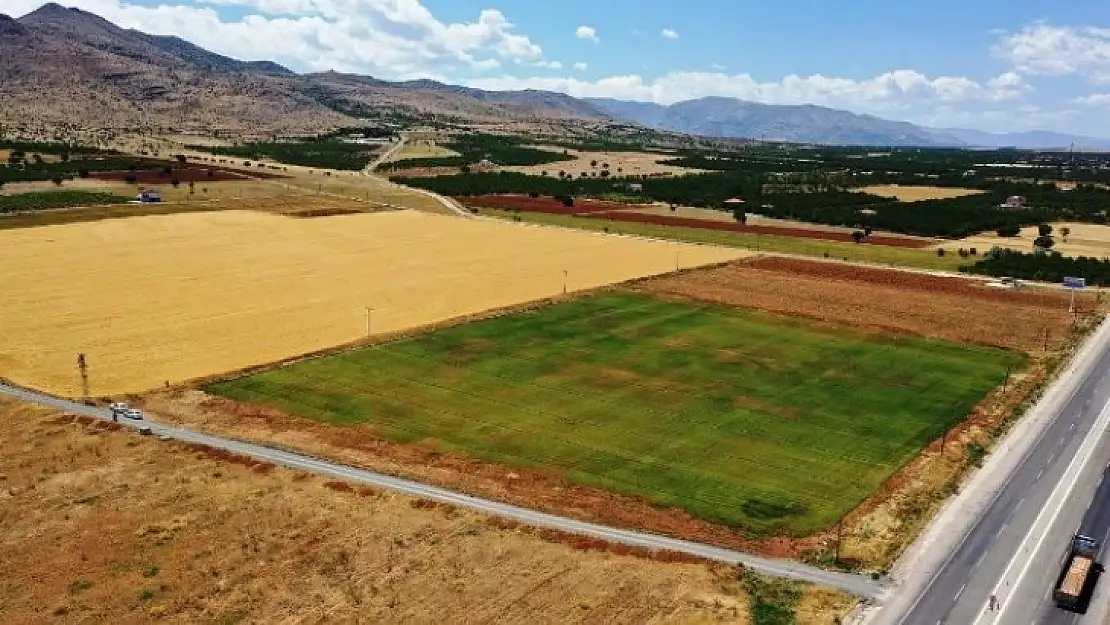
(170, 298)
(916, 193)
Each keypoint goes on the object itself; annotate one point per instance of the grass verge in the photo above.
(876, 254)
(767, 424)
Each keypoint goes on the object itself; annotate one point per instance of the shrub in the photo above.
(1011, 230)
(940, 251)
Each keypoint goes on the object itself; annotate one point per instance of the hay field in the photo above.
(916, 193)
(1084, 240)
(175, 297)
(102, 526)
(631, 163)
(422, 148)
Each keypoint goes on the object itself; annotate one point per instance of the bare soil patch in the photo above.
(923, 305)
(916, 193)
(101, 525)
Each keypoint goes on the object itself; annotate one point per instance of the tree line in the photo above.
(1046, 266)
(473, 148)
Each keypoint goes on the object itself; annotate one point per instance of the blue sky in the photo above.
(999, 65)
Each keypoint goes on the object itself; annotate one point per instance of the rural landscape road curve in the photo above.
(447, 202)
(857, 585)
(1036, 485)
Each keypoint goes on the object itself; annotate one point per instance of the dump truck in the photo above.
(1081, 561)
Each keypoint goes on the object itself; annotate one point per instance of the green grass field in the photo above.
(44, 200)
(875, 254)
(765, 423)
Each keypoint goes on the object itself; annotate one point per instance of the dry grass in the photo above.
(172, 298)
(105, 526)
(691, 212)
(422, 148)
(1084, 240)
(917, 194)
(631, 164)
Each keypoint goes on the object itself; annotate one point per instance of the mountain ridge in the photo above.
(62, 66)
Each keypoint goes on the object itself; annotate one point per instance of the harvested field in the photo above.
(104, 526)
(629, 164)
(950, 308)
(708, 214)
(422, 149)
(614, 211)
(1083, 240)
(917, 194)
(220, 291)
(769, 425)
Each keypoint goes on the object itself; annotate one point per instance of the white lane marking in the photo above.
(1004, 589)
(960, 591)
(1039, 474)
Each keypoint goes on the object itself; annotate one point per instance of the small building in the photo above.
(734, 201)
(636, 187)
(1015, 202)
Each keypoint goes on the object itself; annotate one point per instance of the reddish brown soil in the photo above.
(622, 212)
(541, 204)
(911, 281)
(153, 174)
(909, 303)
(801, 233)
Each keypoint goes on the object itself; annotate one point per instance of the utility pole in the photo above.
(565, 276)
(839, 536)
(369, 319)
(83, 369)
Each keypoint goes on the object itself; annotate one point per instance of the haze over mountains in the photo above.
(67, 66)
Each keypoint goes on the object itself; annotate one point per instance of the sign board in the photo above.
(1075, 283)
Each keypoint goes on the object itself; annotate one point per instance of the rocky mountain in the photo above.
(61, 66)
(805, 123)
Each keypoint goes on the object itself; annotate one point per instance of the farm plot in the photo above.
(631, 213)
(917, 193)
(171, 298)
(955, 309)
(1083, 240)
(619, 163)
(766, 424)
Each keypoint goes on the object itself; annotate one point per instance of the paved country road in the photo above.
(854, 584)
(1005, 534)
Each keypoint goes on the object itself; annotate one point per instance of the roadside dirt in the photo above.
(106, 526)
(544, 490)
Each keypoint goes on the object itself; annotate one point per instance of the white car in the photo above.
(134, 413)
(118, 409)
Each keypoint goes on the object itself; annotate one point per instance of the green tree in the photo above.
(1064, 232)
(740, 215)
(1044, 230)
(1043, 242)
(858, 236)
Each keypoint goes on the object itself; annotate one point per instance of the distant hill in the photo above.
(1035, 139)
(804, 123)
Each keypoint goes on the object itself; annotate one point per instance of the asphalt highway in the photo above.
(854, 584)
(1015, 549)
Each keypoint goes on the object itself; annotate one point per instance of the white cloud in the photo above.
(1017, 119)
(588, 33)
(717, 67)
(549, 64)
(390, 38)
(888, 91)
(1044, 49)
(669, 34)
(1097, 100)
(581, 66)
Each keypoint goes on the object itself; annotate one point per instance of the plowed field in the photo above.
(949, 308)
(631, 213)
(803, 233)
(540, 204)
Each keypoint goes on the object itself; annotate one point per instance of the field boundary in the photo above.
(409, 333)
